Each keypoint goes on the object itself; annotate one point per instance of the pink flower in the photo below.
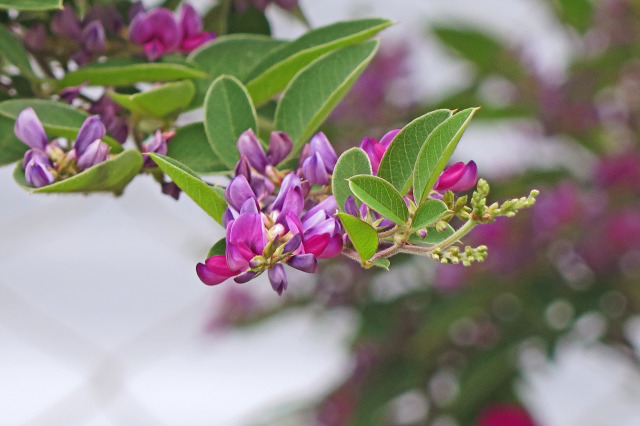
(458, 177)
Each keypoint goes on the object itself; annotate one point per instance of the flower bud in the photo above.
(93, 37)
(278, 278)
(249, 146)
(65, 23)
(280, 145)
(458, 177)
(320, 144)
(304, 262)
(315, 170)
(29, 130)
(37, 169)
(95, 153)
(238, 191)
(92, 130)
(158, 145)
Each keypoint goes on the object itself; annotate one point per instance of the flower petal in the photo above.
(29, 130)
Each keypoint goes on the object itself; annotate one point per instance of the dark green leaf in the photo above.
(109, 176)
(317, 89)
(474, 46)
(428, 213)
(577, 13)
(206, 196)
(13, 51)
(436, 151)
(228, 112)
(273, 73)
(111, 74)
(363, 237)
(352, 162)
(160, 101)
(58, 119)
(218, 248)
(31, 4)
(397, 163)
(190, 147)
(251, 21)
(11, 148)
(378, 194)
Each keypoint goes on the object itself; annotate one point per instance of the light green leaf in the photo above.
(363, 237)
(161, 101)
(123, 74)
(218, 248)
(317, 89)
(31, 4)
(13, 51)
(396, 166)
(436, 151)
(190, 147)
(428, 213)
(109, 176)
(378, 194)
(206, 196)
(11, 148)
(228, 112)
(58, 119)
(382, 263)
(352, 162)
(232, 55)
(433, 236)
(273, 73)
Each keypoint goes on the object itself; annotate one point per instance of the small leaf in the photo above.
(11, 148)
(436, 151)
(218, 248)
(352, 162)
(13, 51)
(228, 112)
(58, 119)
(382, 263)
(428, 213)
(363, 237)
(109, 176)
(123, 74)
(31, 4)
(273, 73)
(396, 166)
(378, 194)
(577, 13)
(206, 196)
(190, 147)
(316, 90)
(433, 236)
(160, 101)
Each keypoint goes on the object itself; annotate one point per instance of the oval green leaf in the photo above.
(218, 248)
(363, 237)
(317, 89)
(378, 194)
(396, 166)
(13, 51)
(162, 101)
(436, 151)
(109, 176)
(31, 4)
(11, 148)
(206, 196)
(114, 74)
(433, 236)
(273, 73)
(428, 213)
(352, 162)
(190, 147)
(58, 119)
(228, 112)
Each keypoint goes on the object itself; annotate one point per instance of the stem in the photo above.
(461, 232)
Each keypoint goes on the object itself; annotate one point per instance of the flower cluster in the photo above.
(48, 161)
(160, 31)
(267, 229)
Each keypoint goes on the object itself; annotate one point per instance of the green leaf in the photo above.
(190, 147)
(115, 74)
(363, 237)
(31, 4)
(382, 263)
(316, 90)
(58, 119)
(352, 162)
(273, 73)
(251, 20)
(577, 13)
(228, 112)
(436, 151)
(396, 166)
(378, 194)
(13, 51)
(206, 196)
(433, 236)
(428, 213)
(218, 248)
(161, 101)
(233, 55)
(109, 176)
(11, 148)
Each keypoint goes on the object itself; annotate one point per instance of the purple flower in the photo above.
(249, 147)
(108, 16)
(109, 112)
(458, 177)
(238, 191)
(278, 278)
(29, 130)
(191, 26)
(157, 144)
(37, 168)
(65, 23)
(280, 145)
(35, 37)
(375, 150)
(90, 37)
(93, 38)
(88, 147)
(156, 30)
(318, 160)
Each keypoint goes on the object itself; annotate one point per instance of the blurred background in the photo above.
(103, 320)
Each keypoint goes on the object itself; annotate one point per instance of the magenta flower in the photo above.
(505, 414)
(191, 26)
(458, 177)
(375, 150)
